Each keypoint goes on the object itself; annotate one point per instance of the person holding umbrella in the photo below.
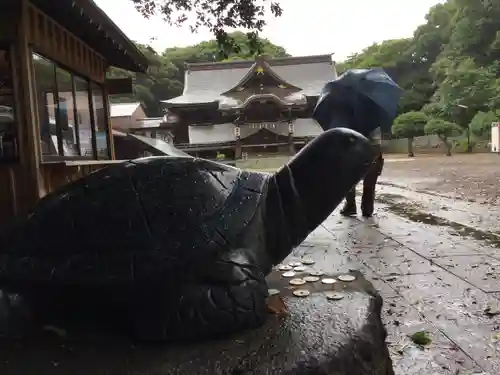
(369, 182)
(364, 100)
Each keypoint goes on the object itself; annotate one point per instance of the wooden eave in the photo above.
(194, 105)
(256, 97)
(88, 22)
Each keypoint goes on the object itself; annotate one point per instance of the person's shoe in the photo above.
(367, 210)
(348, 210)
(367, 214)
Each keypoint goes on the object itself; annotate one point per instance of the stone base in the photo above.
(317, 336)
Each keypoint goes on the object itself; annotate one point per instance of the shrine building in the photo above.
(244, 108)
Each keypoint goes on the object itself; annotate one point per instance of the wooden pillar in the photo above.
(29, 187)
(237, 150)
(109, 135)
(291, 147)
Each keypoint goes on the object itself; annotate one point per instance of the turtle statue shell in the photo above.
(174, 248)
(148, 219)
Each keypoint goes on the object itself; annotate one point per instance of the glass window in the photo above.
(73, 120)
(101, 124)
(84, 116)
(65, 114)
(8, 123)
(45, 78)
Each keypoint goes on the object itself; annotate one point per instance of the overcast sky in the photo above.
(307, 27)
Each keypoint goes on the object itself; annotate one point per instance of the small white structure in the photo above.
(495, 137)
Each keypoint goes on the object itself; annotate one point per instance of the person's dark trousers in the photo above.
(368, 197)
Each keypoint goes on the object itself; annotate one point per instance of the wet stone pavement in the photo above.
(435, 276)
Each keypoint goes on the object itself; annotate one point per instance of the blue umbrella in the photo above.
(360, 99)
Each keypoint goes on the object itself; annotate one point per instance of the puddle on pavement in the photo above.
(411, 212)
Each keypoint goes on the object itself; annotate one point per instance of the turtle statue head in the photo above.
(316, 180)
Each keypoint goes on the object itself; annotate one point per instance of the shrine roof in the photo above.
(206, 82)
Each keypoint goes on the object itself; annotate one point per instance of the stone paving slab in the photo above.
(481, 271)
(442, 357)
(463, 212)
(432, 279)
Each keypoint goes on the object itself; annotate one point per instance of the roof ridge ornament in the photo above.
(260, 68)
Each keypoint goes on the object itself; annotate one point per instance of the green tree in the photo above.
(430, 37)
(474, 30)
(409, 125)
(444, 130)
(449, 66)
(480, 125)
(217, 16)
(159, 83)
(466, 90)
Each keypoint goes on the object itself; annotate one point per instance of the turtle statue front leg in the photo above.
(228, 296)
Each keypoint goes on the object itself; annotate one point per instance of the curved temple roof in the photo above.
(207, 82)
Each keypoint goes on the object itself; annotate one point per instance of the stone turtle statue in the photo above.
(174, 248)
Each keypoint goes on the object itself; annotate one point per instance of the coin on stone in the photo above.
(299, 269)
(333, 296)
(294, 264)
(328, 281)
(311, 279)
(284, 267)
(346, 278)
(297, 282)
(301, 293)
(273, 292)
(307, 261)
(289, 274)
(316, 273)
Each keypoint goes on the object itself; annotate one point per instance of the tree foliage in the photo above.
(409, 124)
(444, 130)
(450, 68)
(217, 16)
(480, 125)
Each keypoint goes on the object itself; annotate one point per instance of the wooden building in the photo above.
(54, 110)
(239, 108)
(131, 118)
(125, 115)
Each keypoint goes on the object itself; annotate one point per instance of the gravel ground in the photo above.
(473, 177)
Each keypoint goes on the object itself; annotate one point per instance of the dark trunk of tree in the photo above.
(469, 145)
(410, 147)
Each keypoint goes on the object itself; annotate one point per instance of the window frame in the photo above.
(76, 120)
